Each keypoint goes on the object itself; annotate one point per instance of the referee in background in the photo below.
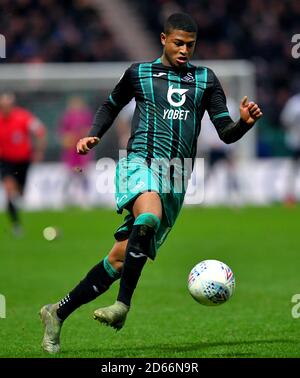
(22, 141)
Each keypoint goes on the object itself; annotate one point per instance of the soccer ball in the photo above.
(211, 282)
(50, 233)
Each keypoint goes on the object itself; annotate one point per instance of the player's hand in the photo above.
(249, 111)
(85, 144)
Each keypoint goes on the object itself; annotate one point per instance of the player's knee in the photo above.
(117, 255)
(144, 229)
(148, 203)
(150, 220)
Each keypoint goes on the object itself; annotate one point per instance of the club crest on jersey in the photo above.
(180, 92)
(188, 77)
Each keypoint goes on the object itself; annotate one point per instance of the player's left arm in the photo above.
(228, 130)
(39, 132)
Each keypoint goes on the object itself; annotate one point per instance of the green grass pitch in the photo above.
(261, 245)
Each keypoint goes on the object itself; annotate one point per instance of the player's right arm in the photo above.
(107, 113)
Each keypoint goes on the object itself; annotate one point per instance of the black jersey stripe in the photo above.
(143, 120)
(171, 120)
(201, 82)
(176, 122)
(147, 85)
(180, 122)
(195, 111)
(153, 108)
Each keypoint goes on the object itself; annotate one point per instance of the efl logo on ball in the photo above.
(211, 282)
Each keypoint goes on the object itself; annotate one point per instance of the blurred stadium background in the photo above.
(59, 49)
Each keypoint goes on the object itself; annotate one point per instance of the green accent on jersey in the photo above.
(179, 108)
(146, 82)
(200, 77)
(195, 104)
(154, 107)
(112, 100)
(143, 126)
(175, 82)
(161, 128)
(224, 114)
(171, 121)
(170, 103)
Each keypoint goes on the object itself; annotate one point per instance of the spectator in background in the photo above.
(290, 119)
(57, 31)
(17, 151)
(74, 124)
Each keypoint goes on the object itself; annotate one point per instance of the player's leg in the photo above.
(147, 211)
(95, 283)
(12, 192)
(14, 179)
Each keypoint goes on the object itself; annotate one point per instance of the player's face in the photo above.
(6, 103)
(179, 47)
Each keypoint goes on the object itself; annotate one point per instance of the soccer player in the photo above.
(22, 140)
(171, 96)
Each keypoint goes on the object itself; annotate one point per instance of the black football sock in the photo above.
(96, 282)
(136, 256)
(12, 211)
